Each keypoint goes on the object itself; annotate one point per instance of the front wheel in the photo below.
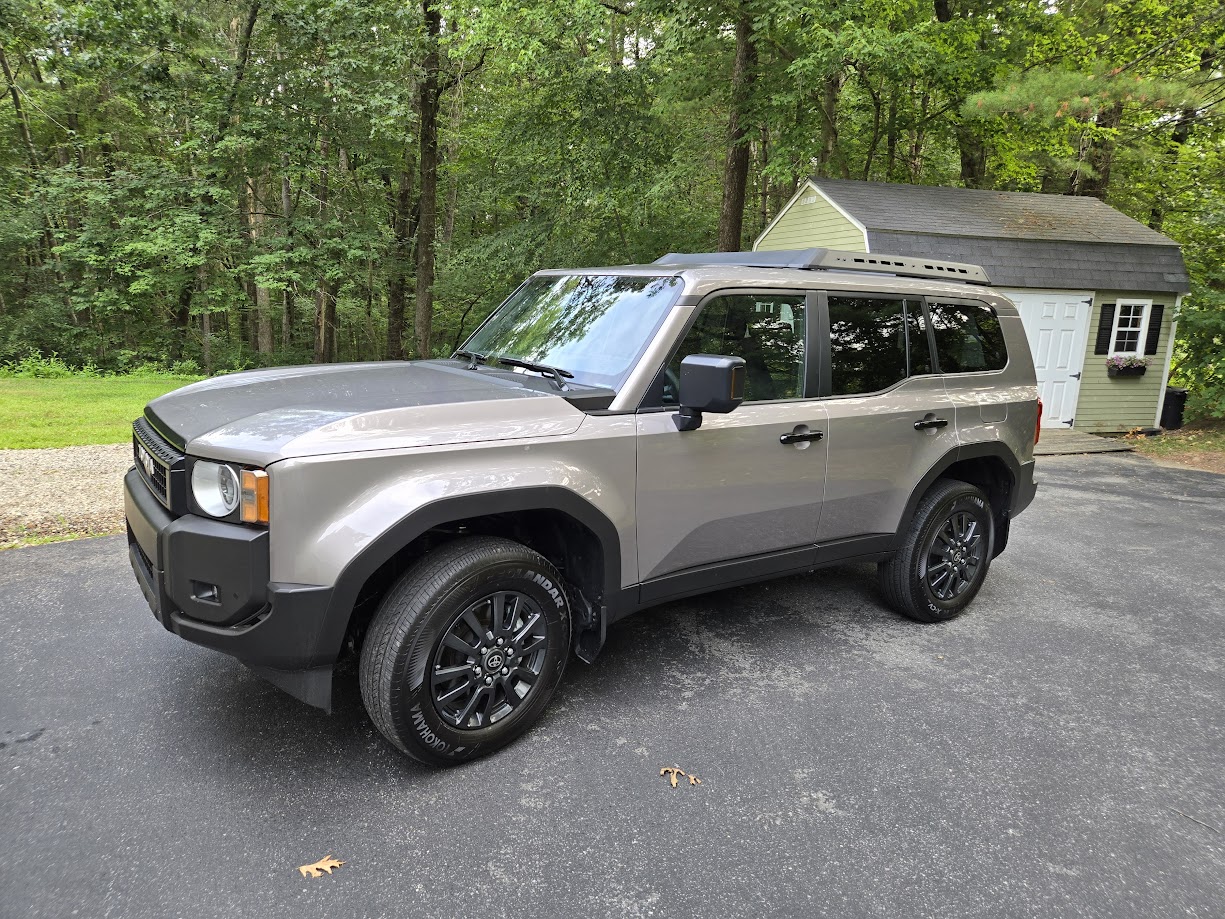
(944, 556)
(466, 650)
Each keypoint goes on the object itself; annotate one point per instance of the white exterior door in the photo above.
(1056, 324)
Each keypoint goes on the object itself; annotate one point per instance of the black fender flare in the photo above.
(1017, 499)
(352, 578)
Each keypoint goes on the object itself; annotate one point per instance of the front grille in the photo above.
(155, 459)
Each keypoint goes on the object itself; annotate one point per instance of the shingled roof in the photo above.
(1022, 239)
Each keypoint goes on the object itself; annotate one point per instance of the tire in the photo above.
(420, 661)
(945, 554)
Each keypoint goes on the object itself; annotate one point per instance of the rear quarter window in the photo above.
(968, 337)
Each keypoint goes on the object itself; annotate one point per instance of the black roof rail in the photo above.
(906, 266)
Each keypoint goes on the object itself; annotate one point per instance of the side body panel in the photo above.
(329, 509)
(876, 457)
(999, 406)
(729, 489)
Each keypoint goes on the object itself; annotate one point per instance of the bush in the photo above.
(39, 367)
(1199, 356)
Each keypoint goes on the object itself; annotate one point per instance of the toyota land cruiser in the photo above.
(609, 439)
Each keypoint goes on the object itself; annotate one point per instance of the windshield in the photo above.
(594, 326)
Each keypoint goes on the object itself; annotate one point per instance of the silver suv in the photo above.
(609, 439)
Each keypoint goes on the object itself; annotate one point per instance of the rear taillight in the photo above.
(1038, 426)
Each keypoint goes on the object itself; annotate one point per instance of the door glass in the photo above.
(868, 343)
(766, 330)
(968, 337)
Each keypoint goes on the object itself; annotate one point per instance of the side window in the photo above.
(1130, 321)
(766, 330)
(870, 339)
(968, 337)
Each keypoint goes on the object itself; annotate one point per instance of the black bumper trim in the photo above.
(1026, 489)
(278, 625)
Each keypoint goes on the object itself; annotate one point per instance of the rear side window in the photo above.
(871, 341)
(968, 337)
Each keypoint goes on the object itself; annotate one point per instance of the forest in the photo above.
(209, 186)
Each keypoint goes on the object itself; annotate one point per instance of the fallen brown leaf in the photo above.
(672, 772)
(316, 869)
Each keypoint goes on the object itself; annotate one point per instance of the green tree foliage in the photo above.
(247, 182)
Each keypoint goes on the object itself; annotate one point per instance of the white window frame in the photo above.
(1142, 338)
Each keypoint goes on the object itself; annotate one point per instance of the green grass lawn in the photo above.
(76, 410)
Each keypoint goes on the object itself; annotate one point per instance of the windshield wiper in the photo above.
(474, 358)
(553, 373)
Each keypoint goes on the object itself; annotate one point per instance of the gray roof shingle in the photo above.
(1022, 239)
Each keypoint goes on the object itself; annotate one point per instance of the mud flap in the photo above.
(591, 631)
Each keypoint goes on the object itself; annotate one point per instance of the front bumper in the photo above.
(208, 582)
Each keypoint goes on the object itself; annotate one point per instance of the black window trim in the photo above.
(931, 334)
(826, 389)
(811, 367)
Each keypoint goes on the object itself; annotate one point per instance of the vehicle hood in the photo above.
(260, 416)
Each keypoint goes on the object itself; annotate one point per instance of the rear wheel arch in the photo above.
(571, 533)
(989, 466)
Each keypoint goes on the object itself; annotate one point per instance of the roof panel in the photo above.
(1059, 265)
(994, 214)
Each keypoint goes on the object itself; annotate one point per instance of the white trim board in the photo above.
(1169, 357)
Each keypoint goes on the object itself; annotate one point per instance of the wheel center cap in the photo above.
(494, 661)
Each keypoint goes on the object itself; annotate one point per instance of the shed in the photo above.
(1089, 281)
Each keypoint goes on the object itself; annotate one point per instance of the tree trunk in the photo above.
(428, 163)
(1099, 156)
(973, 157)
(263, 300)
(22, 122)
(736, 164)
(830, 91)
(240, 67)
(291, 289)
(322, 331)
(400, 201)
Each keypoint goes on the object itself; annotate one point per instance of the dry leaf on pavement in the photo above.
(316, 869)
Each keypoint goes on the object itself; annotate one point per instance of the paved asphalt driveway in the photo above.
(1059, 751)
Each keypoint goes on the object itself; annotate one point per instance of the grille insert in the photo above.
(155, 459)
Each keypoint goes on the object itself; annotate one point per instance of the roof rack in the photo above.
(832, 260)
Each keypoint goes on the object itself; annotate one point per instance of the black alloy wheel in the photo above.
(490, 659)
(466, 649)
(954, 556)
(944, 556)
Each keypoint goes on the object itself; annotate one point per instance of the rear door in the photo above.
(890, 418)
(731, 491)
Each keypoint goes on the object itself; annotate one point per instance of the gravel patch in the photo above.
(65, 491)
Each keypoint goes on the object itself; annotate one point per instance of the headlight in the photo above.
(215, 488)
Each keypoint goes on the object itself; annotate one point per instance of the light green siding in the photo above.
(1116, 404)
(812, 221)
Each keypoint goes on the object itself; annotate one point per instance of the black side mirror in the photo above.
(709, 383)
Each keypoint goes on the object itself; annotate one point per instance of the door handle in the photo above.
(930, 423)
(1073, 376)
(799, 438)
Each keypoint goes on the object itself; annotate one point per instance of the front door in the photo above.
(730, 492)
(1056, 323)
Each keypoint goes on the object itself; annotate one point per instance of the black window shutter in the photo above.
(1154, 328)
(1105, 326)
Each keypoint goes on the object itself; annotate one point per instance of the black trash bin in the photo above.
(1172, 408)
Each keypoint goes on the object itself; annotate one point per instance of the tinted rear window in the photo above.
(968, 337)
(868, 343)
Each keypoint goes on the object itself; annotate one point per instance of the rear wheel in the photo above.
(466, 650)
(944, 556)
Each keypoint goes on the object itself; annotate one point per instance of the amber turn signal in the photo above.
(254, 496)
